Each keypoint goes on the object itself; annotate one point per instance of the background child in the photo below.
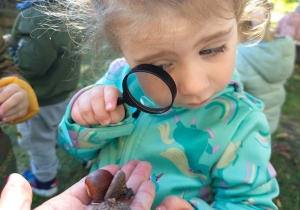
(264, 69)
(43, 49)
(17, 104)
(211, 150)
(289, 25)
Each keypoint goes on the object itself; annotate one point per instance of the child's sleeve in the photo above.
(85, 142)
(33, 107)
(243, 178)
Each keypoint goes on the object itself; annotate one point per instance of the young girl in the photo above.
(211, 150)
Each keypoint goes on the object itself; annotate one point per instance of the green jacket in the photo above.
(43, 49)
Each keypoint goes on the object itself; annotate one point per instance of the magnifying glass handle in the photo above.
(120, 101)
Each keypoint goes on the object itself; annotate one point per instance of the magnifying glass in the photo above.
(148, 88)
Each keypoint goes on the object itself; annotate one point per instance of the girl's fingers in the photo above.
(16, 194)
(118, 114)
(77, 116)
(86, 109)
(111, 94)
(82, 110)
(98, 106)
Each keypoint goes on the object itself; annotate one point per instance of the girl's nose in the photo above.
(192, 80)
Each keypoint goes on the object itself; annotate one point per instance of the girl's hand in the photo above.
(173, 202)
(14, 102)
(98, 106)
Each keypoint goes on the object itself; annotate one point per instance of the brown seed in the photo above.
(97, 184)
(117, 187)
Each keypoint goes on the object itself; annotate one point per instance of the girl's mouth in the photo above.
(199, 104)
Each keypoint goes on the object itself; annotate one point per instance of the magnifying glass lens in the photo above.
(149, 90)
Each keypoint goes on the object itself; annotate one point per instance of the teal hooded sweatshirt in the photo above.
(215, 157)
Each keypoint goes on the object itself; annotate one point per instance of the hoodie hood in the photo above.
(234, 84)
(274, 60)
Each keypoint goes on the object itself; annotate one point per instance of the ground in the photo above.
(69, 172)
(286, 147)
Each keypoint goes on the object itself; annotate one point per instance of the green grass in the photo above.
(286, 147)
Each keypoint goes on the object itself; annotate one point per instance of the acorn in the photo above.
(103, 187)
(97, 183)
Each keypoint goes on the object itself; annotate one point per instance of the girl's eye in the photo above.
(165, 66)
(213, 51)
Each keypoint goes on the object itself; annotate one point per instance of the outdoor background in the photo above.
(285, 142)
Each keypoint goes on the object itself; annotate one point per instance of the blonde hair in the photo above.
(105, 21)
(268, 35)
(260, 19)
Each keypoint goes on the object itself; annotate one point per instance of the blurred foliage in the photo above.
(284, 6)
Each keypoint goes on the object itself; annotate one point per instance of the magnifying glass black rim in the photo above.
(156, 71)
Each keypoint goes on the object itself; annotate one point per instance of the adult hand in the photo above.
(14, 102)
(18, 195)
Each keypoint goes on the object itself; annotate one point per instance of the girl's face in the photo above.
(201, 62)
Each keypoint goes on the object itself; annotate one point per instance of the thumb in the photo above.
(16, 194)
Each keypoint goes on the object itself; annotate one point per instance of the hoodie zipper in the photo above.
(141, 125)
